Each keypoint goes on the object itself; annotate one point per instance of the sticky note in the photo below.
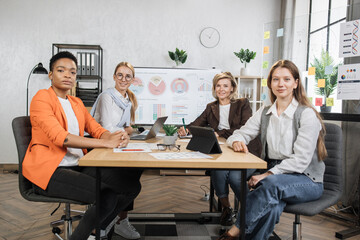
(310, 99)
(328, 69)
(318, 102)
(280, 32)
(263, 96)
(265, 64)
(264, 82)
(311, 71)
(266, 49)
(267, 35)
(330, 102)
(321, 83)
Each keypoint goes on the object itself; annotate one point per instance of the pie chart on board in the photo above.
(156, 85)
(179, 86)
(137, 86)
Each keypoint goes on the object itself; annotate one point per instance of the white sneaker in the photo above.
(92, 237)
(126, 230)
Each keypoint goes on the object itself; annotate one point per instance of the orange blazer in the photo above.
(49, 130)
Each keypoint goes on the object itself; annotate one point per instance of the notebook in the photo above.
(147, 134)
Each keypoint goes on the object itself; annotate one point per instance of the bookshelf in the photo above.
(90, 70)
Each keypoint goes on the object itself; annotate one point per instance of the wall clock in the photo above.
(209, 37)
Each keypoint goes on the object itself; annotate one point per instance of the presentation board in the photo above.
(174, 92)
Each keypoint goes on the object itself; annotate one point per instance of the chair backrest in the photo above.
(333, 171)
(22, 132)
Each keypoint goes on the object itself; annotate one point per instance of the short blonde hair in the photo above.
(225, 75)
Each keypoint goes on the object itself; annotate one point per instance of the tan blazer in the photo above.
(49, 130)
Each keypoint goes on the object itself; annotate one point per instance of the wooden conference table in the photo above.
(228, 159)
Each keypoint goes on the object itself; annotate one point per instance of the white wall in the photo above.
(138, 31)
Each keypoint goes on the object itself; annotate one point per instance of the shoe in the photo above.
(226, 218)
(126, 230)
(227, 236)
(91, 237)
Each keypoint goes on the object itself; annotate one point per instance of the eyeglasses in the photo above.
(120, 76)
(172, 147)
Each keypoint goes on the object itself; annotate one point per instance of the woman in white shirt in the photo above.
(115, 110)
(292, 136)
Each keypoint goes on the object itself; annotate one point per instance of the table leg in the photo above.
(243, 203)
(98, 186)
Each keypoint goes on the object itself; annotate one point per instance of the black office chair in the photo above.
(332, 182)
(22, 133)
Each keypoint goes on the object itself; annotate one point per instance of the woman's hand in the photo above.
(257, 178)
(239, 146)
(182, 132)
(117, 139)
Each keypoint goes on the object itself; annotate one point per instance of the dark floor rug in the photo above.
(175, 227)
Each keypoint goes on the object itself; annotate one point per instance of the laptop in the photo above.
(147, 134)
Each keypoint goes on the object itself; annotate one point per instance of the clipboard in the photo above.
(203, 140)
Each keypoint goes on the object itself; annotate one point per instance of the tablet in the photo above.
(203, 140)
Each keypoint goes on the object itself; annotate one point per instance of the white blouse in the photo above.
(296, 156)
(107, 113)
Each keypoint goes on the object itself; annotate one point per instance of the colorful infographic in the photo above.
(179, 86)
(173, 92)
(156, 85)
(349, 39)
(137, 86)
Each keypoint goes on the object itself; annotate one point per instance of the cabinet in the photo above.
(250, 87)
(89, 72)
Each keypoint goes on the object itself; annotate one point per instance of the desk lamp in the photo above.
(37, 69)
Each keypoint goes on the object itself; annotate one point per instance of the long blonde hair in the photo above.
(300, 95)
(225, 75)
(132, 97)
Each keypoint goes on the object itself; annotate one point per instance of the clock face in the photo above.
(209, 37)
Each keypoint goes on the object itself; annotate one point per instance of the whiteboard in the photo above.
(174, 92)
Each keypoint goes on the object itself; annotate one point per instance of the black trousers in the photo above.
(118, 189)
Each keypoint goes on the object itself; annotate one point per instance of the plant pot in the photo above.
(244, 71)
(325, 109)
(169, 140)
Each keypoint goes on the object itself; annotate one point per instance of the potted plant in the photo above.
(320, 65)
(179, 56)
(245, 56)
(170, 134)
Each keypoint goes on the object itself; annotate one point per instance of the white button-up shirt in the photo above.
(296, 156)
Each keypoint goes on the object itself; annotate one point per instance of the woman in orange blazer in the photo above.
(51, 161)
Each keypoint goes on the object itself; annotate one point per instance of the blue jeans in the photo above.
(221, 179)
(265, 204)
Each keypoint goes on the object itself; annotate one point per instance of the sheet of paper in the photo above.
(142, 145)
(179, 155)
(349, 82)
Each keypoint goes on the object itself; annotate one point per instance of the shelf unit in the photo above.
(250, 87)
(90, 70)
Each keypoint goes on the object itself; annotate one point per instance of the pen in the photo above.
(183, 120)
(130, 150)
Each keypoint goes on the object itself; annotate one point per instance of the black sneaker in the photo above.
(226, 218)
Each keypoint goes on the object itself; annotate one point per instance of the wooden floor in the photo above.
(21, 219)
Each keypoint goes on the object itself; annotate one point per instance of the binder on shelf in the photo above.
(88, 62)
(83, 64)
(78, 56)
(93, 64)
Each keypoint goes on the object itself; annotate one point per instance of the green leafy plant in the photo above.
(245, 56)
(330, 79)
(179, 56)
(170, 130)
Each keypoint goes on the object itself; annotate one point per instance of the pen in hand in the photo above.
(183, 120)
